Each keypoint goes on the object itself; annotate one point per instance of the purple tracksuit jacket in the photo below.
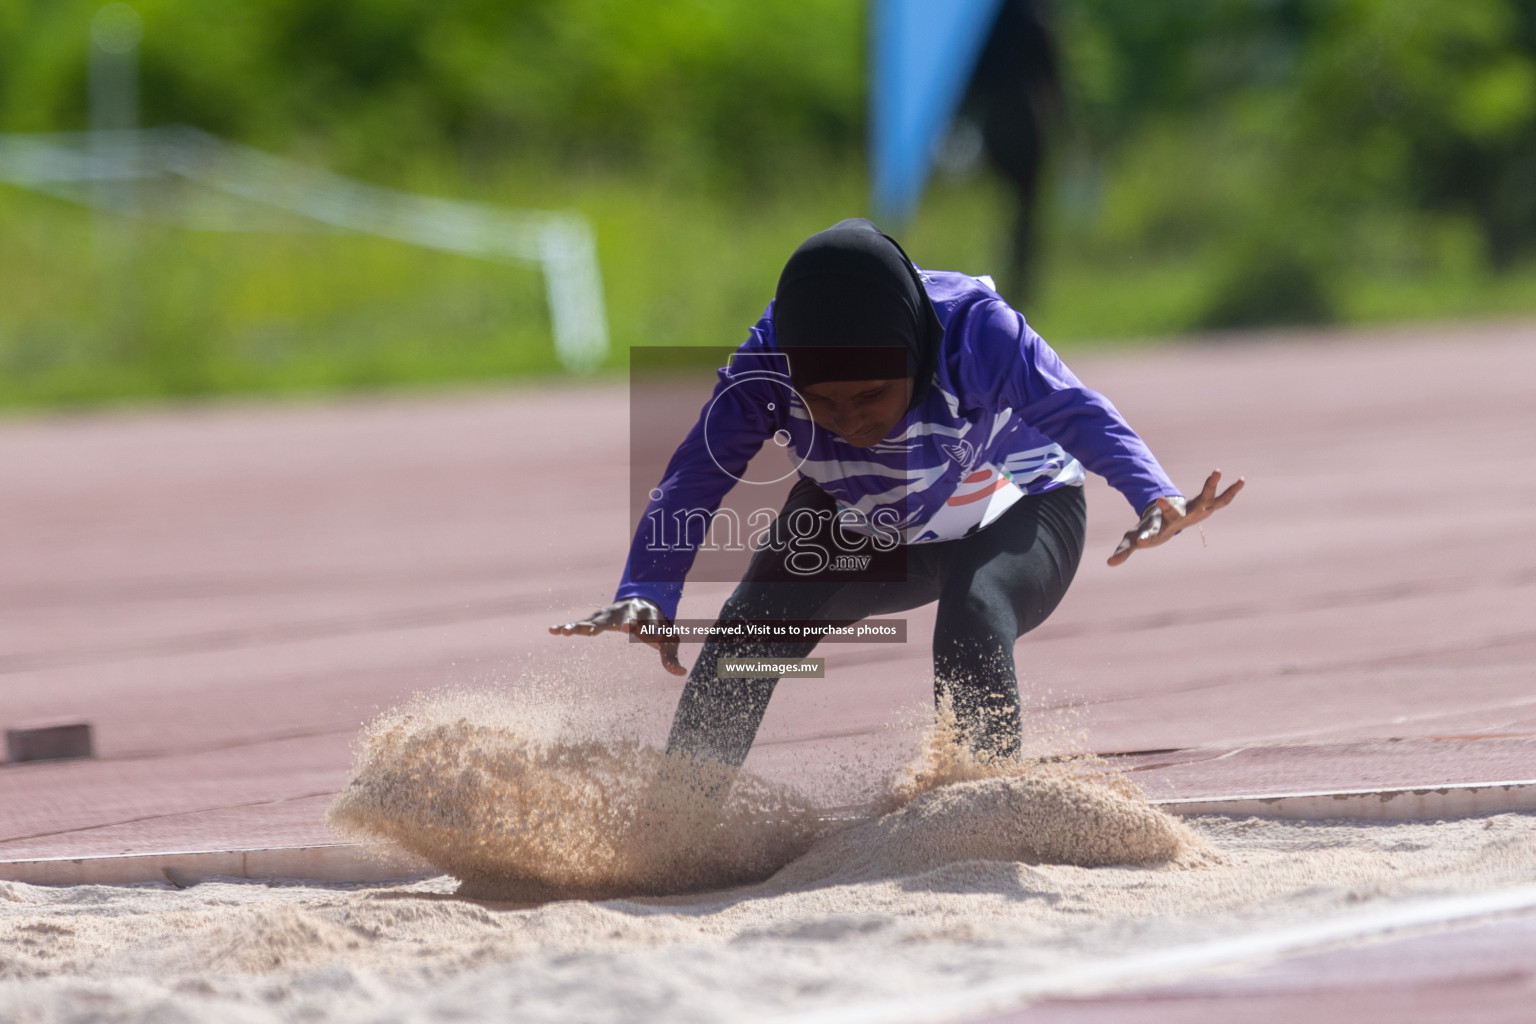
(1003, 417)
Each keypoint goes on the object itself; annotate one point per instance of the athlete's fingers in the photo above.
(661, 639)
(669, 660)
(597, 622)
(641, 614)
(1207, 505)
(1208, 492)
(1227, 495)
(1143, 534)
(1123, 552)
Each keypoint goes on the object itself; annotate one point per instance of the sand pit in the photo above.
(966, 872)
(522, 804)
(224, 951)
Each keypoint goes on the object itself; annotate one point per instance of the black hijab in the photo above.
(850, 306)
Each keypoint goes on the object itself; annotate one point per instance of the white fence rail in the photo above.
(147, 173)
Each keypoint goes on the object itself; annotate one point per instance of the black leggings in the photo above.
(992, 587)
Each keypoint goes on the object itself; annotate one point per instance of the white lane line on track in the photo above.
(1164, 965)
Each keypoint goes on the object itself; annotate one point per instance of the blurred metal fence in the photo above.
(188, 177)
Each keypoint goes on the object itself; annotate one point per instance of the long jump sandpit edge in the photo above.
(360, 862)
(332, 862)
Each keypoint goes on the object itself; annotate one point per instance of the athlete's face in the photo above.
(861, 412)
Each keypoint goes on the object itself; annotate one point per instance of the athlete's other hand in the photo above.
(1165, 517)
(627, 616)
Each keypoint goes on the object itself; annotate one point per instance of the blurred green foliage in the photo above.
(1221, 163)
(692, 89)
(1302, 147)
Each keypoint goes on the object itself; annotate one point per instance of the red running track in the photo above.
(227, 592)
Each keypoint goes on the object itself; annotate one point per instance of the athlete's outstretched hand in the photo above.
(1165, 517)
(627, 616)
